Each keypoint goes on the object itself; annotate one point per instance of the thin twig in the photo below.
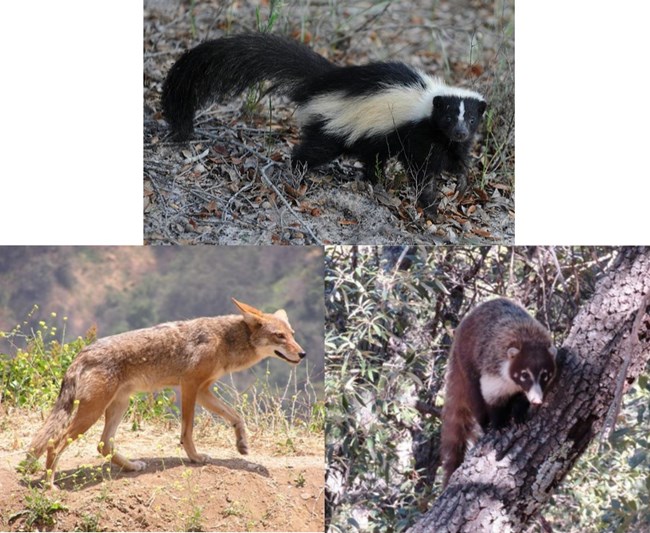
(285, 201)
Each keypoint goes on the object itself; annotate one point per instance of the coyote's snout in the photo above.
(191, 354)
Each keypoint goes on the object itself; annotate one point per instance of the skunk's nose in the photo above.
(460, 134)
(302, 355)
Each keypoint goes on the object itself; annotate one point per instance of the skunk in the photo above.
(371, 112)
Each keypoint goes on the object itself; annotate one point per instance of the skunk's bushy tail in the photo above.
(227, 66)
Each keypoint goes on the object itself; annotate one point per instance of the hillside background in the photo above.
(115, 289)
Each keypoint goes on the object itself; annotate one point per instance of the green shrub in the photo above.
(32, 376)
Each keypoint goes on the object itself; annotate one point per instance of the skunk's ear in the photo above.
(437, 101)
(482, 106)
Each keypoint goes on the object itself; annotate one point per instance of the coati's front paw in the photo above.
(520, 410)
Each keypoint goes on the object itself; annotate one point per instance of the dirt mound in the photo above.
(278, 487)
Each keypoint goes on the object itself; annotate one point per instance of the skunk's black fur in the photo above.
(371, 112)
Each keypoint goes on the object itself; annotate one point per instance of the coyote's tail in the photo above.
(58, 419)
(227, 66)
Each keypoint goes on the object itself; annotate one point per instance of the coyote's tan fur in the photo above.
(191, 354)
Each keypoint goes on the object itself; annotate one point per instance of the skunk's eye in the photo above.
(448, 120)
(472, 120)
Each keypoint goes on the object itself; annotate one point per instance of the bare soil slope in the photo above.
(278, 487)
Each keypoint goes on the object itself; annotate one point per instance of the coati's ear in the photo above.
(552, 350)
(513, 351)
(252, 316)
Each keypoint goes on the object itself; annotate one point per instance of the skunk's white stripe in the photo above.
(361, 116)
(461, 111)
(390, 107)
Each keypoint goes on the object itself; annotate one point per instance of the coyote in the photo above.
(191, 354)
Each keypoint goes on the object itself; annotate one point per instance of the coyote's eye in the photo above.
(280, 336)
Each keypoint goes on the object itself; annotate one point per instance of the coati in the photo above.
(370, 112)
(502, 360)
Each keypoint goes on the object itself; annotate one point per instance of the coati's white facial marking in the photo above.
(535, 395)
(461, 111)
(495, 387)
(523, 376)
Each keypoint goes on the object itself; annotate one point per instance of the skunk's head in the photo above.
(457, 116)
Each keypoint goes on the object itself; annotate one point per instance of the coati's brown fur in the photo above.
(501, 360)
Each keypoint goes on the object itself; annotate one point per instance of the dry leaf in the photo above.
(481, 232)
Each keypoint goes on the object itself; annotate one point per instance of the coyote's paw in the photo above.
(242, 447)
(200, 458)
(136, 466)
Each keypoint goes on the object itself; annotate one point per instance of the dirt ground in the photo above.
(277, 487)
(232, 183)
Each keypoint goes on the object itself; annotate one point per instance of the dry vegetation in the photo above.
(232, 183)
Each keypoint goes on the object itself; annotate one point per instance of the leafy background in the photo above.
(113, 289)
(391, 312)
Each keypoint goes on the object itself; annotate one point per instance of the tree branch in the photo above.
(510, 474)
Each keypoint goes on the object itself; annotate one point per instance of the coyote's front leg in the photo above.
(208, 400)
(188, 401)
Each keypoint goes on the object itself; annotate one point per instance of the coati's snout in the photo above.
(535, 395)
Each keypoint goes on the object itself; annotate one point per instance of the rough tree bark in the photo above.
(509, 475)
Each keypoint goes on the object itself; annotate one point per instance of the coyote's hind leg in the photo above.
(113, 416)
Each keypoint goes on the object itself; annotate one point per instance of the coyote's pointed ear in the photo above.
(252, 316)
(245, 308)
(282, 315)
